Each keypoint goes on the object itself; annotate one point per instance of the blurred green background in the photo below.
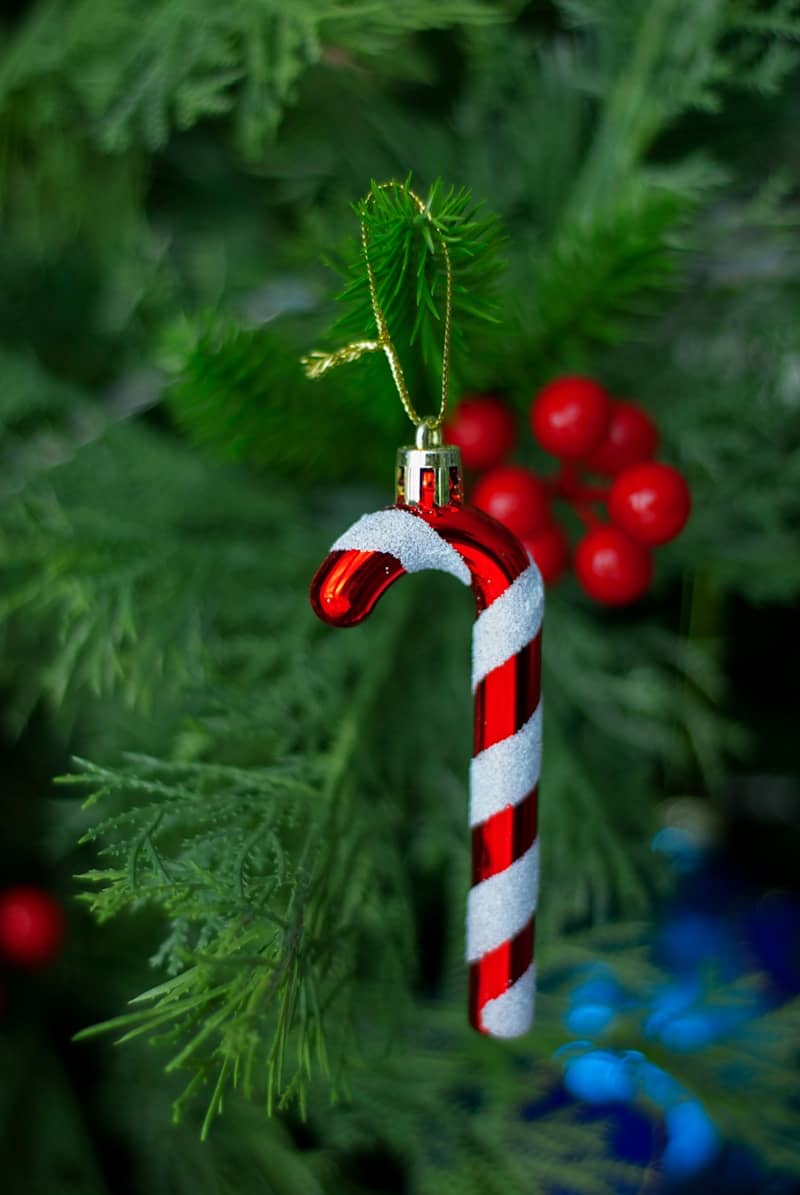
(275, 846)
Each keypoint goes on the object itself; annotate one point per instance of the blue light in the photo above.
(659, 1086)
(703, 1026)
(600, 988)
(588, 1019)
(600, 1077)
(689, 1032)
(692, 1139)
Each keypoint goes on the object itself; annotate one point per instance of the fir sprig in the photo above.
(266, 875)
(408, 262)
(241, 390)
(405, 251)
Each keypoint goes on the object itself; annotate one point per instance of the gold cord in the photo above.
(318, 363)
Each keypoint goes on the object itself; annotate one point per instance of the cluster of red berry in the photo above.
(31, 926)
(574, 419)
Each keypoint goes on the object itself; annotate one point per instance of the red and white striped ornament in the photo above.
(430, 528)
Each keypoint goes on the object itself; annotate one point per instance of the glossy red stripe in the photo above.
(506, 698)
(494, 557)
(495, 972)
(502, 838)
(349, 582)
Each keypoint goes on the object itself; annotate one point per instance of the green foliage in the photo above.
(405, 251)
(137, 75)
(272, 920)
(240, 392)
(124, 618)
(255, 792)
(30, 397)
(603, 273)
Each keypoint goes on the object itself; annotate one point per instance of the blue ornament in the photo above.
(703, 1026)
(689, 1032)
(600, 987)
(692, 1140)
(588, 1019)
(600, 1077)
(659, 1086)
(671, 1000)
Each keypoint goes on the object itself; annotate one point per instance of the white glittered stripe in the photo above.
(511, 1014)
(506, 772)
(498, 908)
(406, 537)
(505, 627)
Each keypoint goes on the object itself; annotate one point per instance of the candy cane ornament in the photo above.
(430, 528)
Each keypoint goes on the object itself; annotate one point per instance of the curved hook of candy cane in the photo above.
(506, 661)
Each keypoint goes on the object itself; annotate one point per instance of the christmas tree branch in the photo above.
(285, 936)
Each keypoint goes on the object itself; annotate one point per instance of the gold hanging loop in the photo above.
(318, 363)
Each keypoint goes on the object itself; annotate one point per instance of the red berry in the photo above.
(651, 502)
(569, 416)
(612, 568)
(550, 550)
(631, 437)
(31, 926)
(484, 429)
(515, 497)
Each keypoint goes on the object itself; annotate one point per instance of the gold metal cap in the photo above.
(429, 472)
